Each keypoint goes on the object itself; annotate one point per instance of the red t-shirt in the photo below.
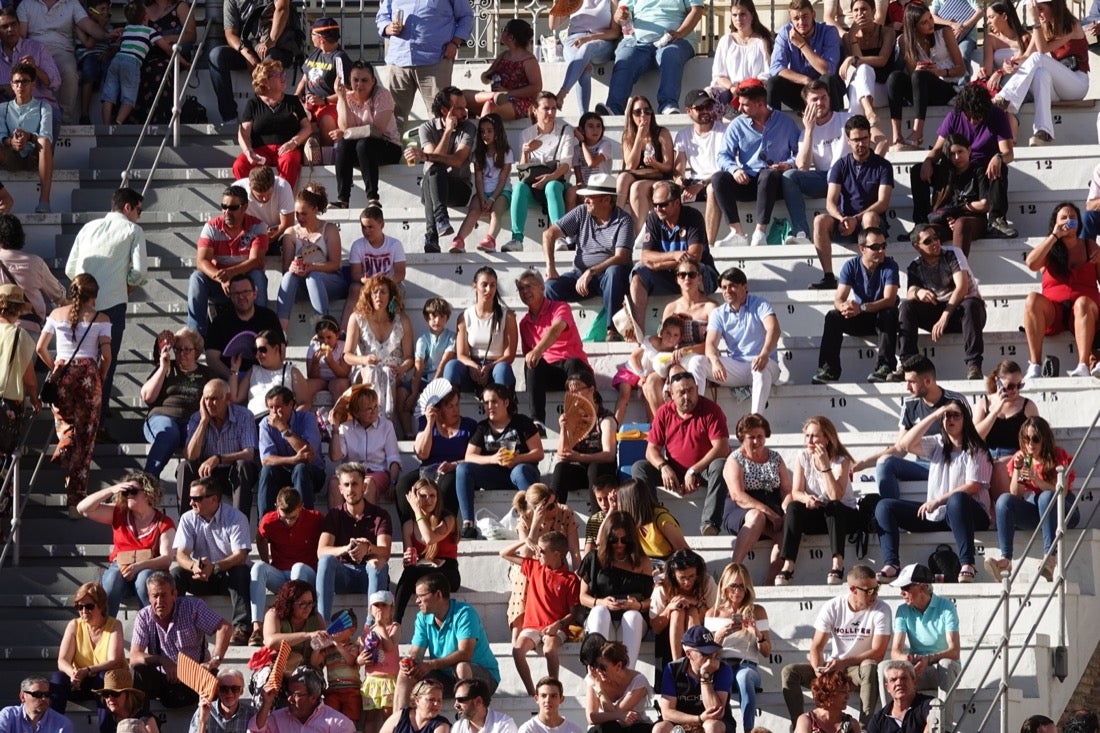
(289, 545)
(566, 346)
(551, 594)
(124, 537)
(687, 439)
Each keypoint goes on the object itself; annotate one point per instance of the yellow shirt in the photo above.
(652, 538)
(88, 655)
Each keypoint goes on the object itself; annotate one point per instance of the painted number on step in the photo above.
(1027, 209)
(582, 314)
(542, 223)
(1087, 496)
(838, 402)
(790, 308)
(458, 270)
(979, 548)
(805, 605)
(561, 409)
(1048, 396)
(405, 225)
(63, 142)
(1044, 165)
(654, 312)
(1057, 119)
(1025, 602)
(816, 553)
(998, 302)
(788, 355)
(929, 351)
(891, 214)
(776, 658)
(867, 353)
(1009, 350)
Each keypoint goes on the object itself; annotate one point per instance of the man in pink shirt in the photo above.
(304, 711)
(551, 344)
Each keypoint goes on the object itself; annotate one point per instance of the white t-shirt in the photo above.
(534, 725)
(495, 722)
(815, 481)
(737, 62)
(638, 681)
(376, 260)
(701, 150)
(830, 144)
(852, 632)
(556, 145)
(490, 174)
(281, 201)
(946, 477)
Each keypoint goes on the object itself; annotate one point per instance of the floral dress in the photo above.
(391, 355)
(513, 76)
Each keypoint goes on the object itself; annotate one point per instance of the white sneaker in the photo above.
(799, 238)
(515, 245)
(670, 109)
(759, 238)
(1034, 371)
(1082, 370)
(733, 239)
(1096, 370)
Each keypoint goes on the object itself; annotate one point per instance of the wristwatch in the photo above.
(862, 309)
(288, 433)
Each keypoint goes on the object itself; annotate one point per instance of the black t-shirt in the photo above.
(226, 326)
(274, 125)
(179, 396)
(914, 720)
(520, 429)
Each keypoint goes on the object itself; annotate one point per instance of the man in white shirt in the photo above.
(271, 200)
(112, 250)
(697, 156)
(858, 624)
(212, 546)
(472, 713)
(548, 696)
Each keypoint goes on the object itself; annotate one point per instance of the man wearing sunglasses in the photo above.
(696, 160)
(226, 713)
(858, 624)
(34, 712)
(232, 244)
(865, 304)
(472, 712)
(942, 297)
(860, 186)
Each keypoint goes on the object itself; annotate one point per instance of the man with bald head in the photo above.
(222, 440)
(227, 712)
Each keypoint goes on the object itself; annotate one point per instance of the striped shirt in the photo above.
(192, 621)
(238, 433)
(137, 40)
(233, 250)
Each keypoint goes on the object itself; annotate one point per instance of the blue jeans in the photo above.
(320, 285)
(577, 71)
(893, 469)
(266, 577)
(1090, 224)
(165, 436)
(1014, 512)
(306, 479)
(799, 186)
(201, 290)
(964, 516)
(117, 587)
(122, 80)
(335, 577)
(748, 680)
(633, 60)
(458, 374)
(612, 283)
(521, 202)
(470, 476)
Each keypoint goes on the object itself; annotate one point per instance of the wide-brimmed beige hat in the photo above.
(599, 184)
(121, 680)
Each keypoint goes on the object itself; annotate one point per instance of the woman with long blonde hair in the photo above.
(740, 625)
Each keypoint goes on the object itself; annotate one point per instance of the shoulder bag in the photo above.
(49, 394)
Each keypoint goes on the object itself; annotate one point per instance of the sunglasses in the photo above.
(37, 694)
(869, 591)
(929, 240)
(226, 689)
(1033, 439)
(615, 540)
(736, 586)
(1012, 386)
(705, 107)
(261, 349)
(84, 606)
(130, 492)
(687, 274)
(231, 207)
(642, 112)
(111, 693)
(952, 415)
(198, 499)
(876, 247)
(598, 666)
(662, 204)
(240, 293)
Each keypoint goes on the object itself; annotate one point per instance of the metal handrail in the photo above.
(1002, 610)
(19, 497)
(177, 93)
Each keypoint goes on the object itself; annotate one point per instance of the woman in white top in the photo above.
(869, 50)
(743, 53)
(589, 41)
(932, 64)
(270, 370)
(366, 122)
(822, 500)
(1005, 39)
(380, 343)
(311, 255)
(617, 698)
(83, 358)
(548, 142)
(958, 489)
(487, 338)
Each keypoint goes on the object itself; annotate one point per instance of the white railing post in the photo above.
(1006, 587)
(16, 506)
(176, 92)
(1060, 547)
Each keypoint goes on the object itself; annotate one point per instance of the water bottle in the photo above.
(627, 23)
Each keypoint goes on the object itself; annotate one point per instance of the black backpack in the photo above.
(945, 562)
(860, 536)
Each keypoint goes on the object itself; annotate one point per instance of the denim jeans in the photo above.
(306, 479)
(320, 285)
(891, 470)
(1014, 512)
(458, 374)
(632, 60)
(799, 186)
(612, 284)
(165, 436)
(201, 290)
(964, 516)
(117, 587)
(335, 577)
(470, 476)
(577, 72)
(266, 577)
(747, 677)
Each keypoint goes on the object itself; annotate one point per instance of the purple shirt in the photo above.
(42, 59)
(859, 182)
(192, 621)
(984, 138)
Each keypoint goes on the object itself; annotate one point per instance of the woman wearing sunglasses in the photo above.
(740, 625)
(91, 646)
(272, 369)
(648, 157)
(958, 489)
(617, 697)
(1034, 478)
(123, 701)
(998, 417)
(141, 535)
(616, 583)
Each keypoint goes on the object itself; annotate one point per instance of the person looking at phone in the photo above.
(998, 417)
(858, 624)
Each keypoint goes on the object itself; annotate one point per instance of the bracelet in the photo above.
(420, 518)
(662, 466)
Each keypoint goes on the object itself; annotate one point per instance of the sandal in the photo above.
(784, 577)
(995, 567)
(887, 577)
(966, 574)
(835, 576)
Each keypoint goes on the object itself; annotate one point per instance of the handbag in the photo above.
(49, 393)
(529, 172)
